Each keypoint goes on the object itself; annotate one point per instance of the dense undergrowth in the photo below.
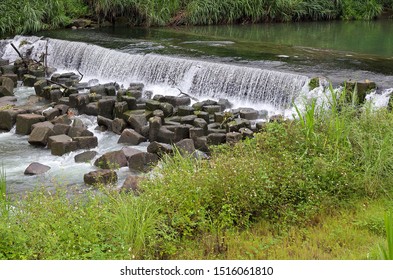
(314, 188)
(33, 15)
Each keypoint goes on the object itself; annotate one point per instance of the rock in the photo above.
(86, 142)
(176, 101)
(142, 162)
(155, 124)
(61, 148)
(39, 136)
(233, 137)
(55, 95)
(58, 138)
(39, 87)
(165, 136)
(36, 168)
(29, 80)
(13, 77)
(236, 124)
(225, 104)
(167, 108)
(25, 121)
(6, 87)
(131, 184)
(8, 69)
(200, 123)
(261, 126)
(248, 114)
(118, 125)
(43, 124)
(79, 101)
(182, 132)
(189, 119)
(216, 138)
(203, 115)
(60, 128)
(276, 118)
(246, 132)
(202, 144)
(85, 156)
(92, 109)
(159, 148)
(129, 152)
(131, 102)
(196, 132)
(362, 89)
(100, 177)
(131, 137)
(63, 119)
(51, 114)
(152, 105)
(137, 122)
(185, 146)
(8, 118)
(119, 109)
(185, 111)
(112, 160)
(105, 108)
(211, 109)
(102, 121)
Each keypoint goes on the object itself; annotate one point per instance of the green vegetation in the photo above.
(314, 188)
(34, 15)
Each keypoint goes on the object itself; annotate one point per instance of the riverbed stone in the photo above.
(51, 114)
(36, 168)
(167, 108)
(196, 132)
(55, 95)
(85, 156)
(6, 87)
(152, 105)
(131, 137)
(211, 109)
(100, 177)
(92, 109)
(185, 111)
(165, 136)
(60, 128)
(130, 151)
(248, 114)
(39, 87)
(62, 148)
(106, 122)
(233, 137)
(201, 143)
(131, 184)
(86, 142)
(8, 118)
(155, 124)
(185, 146)
(39, 136)
(25, 121)
(47, 124)
(142, 162)
(105, 108)
(58, 138)
(246, 132)
(118, 125)
(188, 119)
(112, 160)
(216, 138)
(159, 148)
(62, 119)
(176, 101)
(236, 124)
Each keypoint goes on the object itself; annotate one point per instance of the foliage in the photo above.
(387, 253)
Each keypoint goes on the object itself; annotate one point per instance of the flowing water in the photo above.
(261, 66)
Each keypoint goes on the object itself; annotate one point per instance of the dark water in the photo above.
(337, 50)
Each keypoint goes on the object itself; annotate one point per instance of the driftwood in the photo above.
(186, 94)
(20, 55)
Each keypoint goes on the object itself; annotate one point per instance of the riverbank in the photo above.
(32, 16)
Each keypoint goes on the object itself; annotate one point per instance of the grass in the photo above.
(317, 187)
(29, 16)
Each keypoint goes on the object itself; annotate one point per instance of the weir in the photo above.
(196, 77)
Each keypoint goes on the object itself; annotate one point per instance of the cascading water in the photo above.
(202, 79)
(244, 85)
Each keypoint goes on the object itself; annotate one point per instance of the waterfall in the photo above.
(196, 77)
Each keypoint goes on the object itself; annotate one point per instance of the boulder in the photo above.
(246, 132)
(131, 137)
(86, 142)
(112, 160)
(85, 156)
(51, 113)
(189, 119)
(131, 184)
(137, 122)
(100, 177)
(60, 128)
(152, 105)
(62, 119)
(202, 144)
(36, 168)
(39, 136)
(185, 111)
(105, 108)
(165, 136)
(129, 152)
(25, 121)
(211, 109)
(43, 124)
(155, 124)
(8, 118)
(176, 101)
(236, 124)
(182, 132)
(167, 109)
(196, 132)
(216, 138)
(61, 148)
(118, 125)
(185, 146)
(6, 87)
(362, 89)
(142, 162)
(102, 121)
(39, 87)
(92, 109)
(159, 148)
(119, 109)
(58, 138)
(233, 137)
(248, 114)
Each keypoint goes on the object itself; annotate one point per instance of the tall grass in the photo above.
(4, 203)
(387, 252)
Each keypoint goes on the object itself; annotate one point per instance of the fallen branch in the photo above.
(56, 83)
(81, 75)
(20, 55)
(186, 94)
